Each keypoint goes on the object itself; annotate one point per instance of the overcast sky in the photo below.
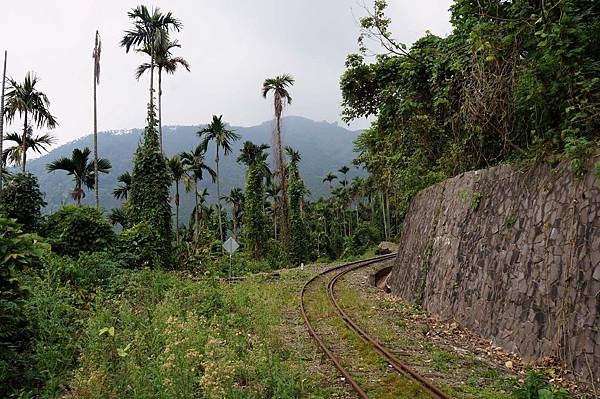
(232, 46)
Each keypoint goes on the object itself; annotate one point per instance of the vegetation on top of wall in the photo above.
(514, 80)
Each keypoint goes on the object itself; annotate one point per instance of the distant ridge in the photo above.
(324, 147)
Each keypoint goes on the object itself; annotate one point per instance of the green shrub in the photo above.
(578, 150)
(88, 272)
(74, 229)
(22, 199)
(53, 317)
(363, 237)
(20, 252)
(536, 386)
(135, 247)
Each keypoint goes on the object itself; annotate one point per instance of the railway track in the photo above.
(336, 273)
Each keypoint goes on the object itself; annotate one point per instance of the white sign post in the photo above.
(230, 246)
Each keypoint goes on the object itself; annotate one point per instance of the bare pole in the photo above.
(2, 120)
(96, 57)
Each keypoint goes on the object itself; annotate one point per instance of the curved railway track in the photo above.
(397, 365)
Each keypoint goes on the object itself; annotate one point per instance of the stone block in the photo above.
(532, 287)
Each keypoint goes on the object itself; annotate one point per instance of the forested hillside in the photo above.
(324, 146)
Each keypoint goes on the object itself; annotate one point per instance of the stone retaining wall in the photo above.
(512, 254)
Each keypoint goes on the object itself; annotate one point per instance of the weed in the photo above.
(510, 221)
(440, 360)
(475, 200)
(536, 386)
(577, 150)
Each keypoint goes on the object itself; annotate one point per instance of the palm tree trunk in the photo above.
(78, 192)
(387, 209)
(177, 211)
(284, 230)
(152, 81)
(24, 144)
(234, 223)
(160, 109)
(96, 177)
(196, 214)
(219, 195)
(2, 120)
(385, 231)
(318, 249)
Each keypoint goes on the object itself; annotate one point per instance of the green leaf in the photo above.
(122, 352)
(107, 330)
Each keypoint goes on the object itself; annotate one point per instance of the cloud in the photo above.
(232, 46)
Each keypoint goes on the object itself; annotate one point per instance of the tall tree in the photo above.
(298, 247)
(223, 137)
(150, 28)
(356, 192)
(148, 202)
(81, 169)
(236, 199)
(202, 209)
(96, 57)
(255, 232)
(36, 144)
(273, 191)
(2, 121)
(329, 179)
(165, 62)
(281, 96)
(177, 172)
(343, 196)
(344, 171)
(27, 101)
(195, 167)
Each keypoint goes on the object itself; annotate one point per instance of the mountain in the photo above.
(324, 147)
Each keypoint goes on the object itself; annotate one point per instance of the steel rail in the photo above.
(398, 365)
(314, 334)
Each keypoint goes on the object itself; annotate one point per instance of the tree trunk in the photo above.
(196, 214)
(78, 193)
(152, 81)
(160, 136)
(234, 223)
(387, 209)
(385, 232)
(2, 120)
(24, 144)
(219, 194)
(177, 211)
(284, 229)
(96, 177)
